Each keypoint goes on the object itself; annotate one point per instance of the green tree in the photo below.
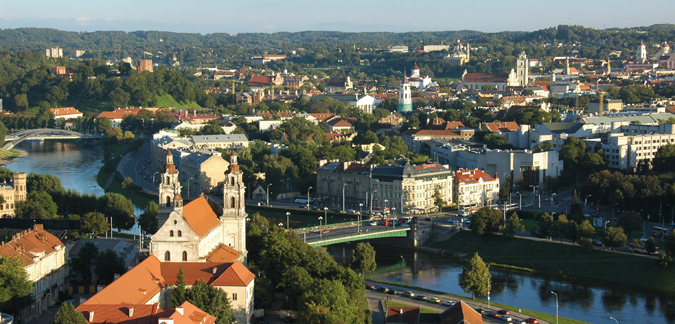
(119, 208)
(664, 159)
(546, 225)
(486, 221)
(108, 264)
(45, 201)
(670, 244)
(630, 222)
(650, 245)
(576, 208)
(44, 182)
(103, 124)
(148, 220)
(328, 301)
(211, 300)
(475, 277)
(29, 209)
(179, 292)
(495, 141)
(3, 133)
(615, 238)
(363, 258)
(439, 202)
(84, 260)
(513, 225)
(586, 229)
(15, 286)
(94, 223)
(68, 315)
(560, 227)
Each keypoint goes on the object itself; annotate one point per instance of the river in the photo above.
(76, 165)
(586, 300)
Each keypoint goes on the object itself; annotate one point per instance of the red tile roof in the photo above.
(509, 126)
(472, 176)
(260, 80)
(235, 275)
(485, 77)
(403, 314)
(340, 122)
(200, 216)
(186, 313)
(430, 132)
(223, 253)
(321, 116)
(29, 243)
(460, 312)
(58, 112)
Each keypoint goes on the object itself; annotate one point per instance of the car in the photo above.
(597, 242)
(409, 294)
(394, 292)
(489, 314)
(644, 239)
(428, 219)
(383, 289)
(448, 303)
(369, 286)
(480, 310)
(504, 312)
(373, 223)
(421, 297)
(325, 232)
(434, 300)
(532, 320)
(505, 318)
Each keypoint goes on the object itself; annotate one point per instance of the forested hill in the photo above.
(117, 44)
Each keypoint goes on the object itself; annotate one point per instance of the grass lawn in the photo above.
(139, 198)
(423, 310)
(7, 154)
(167, 100)
(92, 106)
(564, 259)
(528, 223)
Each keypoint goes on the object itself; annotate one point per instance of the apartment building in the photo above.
(476, 188)
(408, 188)
(625, 151)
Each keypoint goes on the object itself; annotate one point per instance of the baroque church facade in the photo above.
(202, 230)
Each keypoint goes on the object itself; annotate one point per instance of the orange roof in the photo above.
(460, 312)
(137, 286)
(235, 275)
(64, 111)
(509, 126)
(29, 243)
(340, 122)
(200, 216)
(260, 79)
(119, 113)
(485, 77)
(144, 314)
(193, 271)
(321, 116)
(403, 314)
(472, 176)
(223, 253)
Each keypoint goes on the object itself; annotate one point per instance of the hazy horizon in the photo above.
(209, 16)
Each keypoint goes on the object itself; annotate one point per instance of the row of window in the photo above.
(167, 256)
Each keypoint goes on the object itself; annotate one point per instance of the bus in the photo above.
(661, 231)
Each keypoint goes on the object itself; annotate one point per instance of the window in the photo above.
(171, 233)
(167, 256)
(180, 234)
(234, 296)
(232, 202)
(168, 201)
(184, 256)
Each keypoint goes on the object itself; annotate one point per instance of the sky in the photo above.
(227, 16)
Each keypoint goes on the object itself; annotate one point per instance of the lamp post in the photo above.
(534, 188)
(586, 202)
(371, 201)
(403, 260)
(268, 194)
(489, 288)
(556, 307)
(281, 224)
(288, 224)
(343, 197)
(188, 185)
(385, 206)
(612, 318)
(308, 189)
(520, 200)
(320, 233)
(358, 226)
(153, 177)
(325, 213)
(393, 217)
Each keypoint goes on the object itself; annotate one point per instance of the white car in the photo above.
(373, 223)
(448, 303)
(505, 318)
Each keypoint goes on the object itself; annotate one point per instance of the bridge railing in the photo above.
(366, 232)
(335, 225)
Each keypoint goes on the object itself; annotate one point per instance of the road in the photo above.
(374, 297)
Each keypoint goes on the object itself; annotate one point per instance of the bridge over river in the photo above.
(347, 232)
(14, 139)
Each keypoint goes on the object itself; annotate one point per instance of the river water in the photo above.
(586, 300)
(76, 165)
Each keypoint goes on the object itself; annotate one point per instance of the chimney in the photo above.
(400, 310)
(91, 316)
(131, 311)
(215, 270)
(117, 276)
(180, 310)
(82, 300)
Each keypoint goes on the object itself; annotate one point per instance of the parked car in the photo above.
(448, 303)
(504, 312)
(597, 242)
(369, 286)
(373, 223)
(480, 310)
(394, 292)
(490, 314)
(421, 297)
(409, 294)
(505, 318)
(351, 211)
(532, 320)
(434, 300)
(383, 289)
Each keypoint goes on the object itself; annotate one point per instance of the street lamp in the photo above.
(586, 202)
(489, 288)
(520, 200)
(612, 318)
(268, 194)
(371, 201)
(556, 307)
(393, 217)
(343, 197)
(358, 227)
(288, 224)
(320, 233)
(385, 205)
(325, 213)
(308, 189)
(403, 260)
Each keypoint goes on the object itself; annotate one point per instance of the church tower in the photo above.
(404, 96)
(169, 190)
(641, 56)
(234, 213)
(415, 71)
(522, 69)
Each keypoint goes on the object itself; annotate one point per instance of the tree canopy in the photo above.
(475, 277)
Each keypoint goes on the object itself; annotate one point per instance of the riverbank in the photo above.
(565, 260)
(7, 156)
(539, 315)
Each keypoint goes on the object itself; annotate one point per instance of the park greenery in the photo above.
(68, 315)
(15, 286)
(475, 277)
(312, 282)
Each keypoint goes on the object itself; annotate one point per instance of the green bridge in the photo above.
(372, 234)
